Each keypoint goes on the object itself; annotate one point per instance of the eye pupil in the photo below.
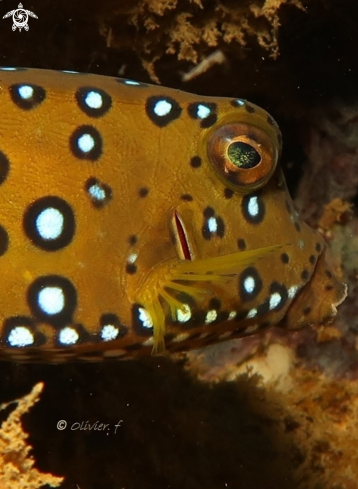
(243, 155)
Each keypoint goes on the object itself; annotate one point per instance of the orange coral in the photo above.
(16, 466)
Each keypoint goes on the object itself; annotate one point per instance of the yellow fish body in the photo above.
(136, 217)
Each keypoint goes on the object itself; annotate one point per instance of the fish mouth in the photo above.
(184, 249)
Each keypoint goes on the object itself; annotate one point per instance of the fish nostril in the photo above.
(181, 235)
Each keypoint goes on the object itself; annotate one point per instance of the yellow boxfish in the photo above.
(137, 218)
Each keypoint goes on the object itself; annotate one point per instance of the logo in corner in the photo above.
(20, 16)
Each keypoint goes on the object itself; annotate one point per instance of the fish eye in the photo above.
(244, 155)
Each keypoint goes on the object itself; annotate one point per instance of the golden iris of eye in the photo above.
(243, 155)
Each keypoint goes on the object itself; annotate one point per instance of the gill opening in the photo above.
(182, 240)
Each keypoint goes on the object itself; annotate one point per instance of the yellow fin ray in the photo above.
(154, 292)
(225, 264)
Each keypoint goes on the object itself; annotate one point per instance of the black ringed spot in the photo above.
(162, 110)
(201, 110)
(13, 332)
(195, 162)
(253, 208)
(52, 299)
(141, 321)
(12, 68)
(312, 259)
(110, 320)
(73, 334)
(99, 193)
(318, 247)
(250, 284)
(328, 287)
(49, 223)
(306, 311)
(277, 288)
(297, 227)
(86, 143)
(27, 96)
(131, 83)
(4, 241)
(72, 72)
(4, 167)
(328, 273)
(93, 101)
(205, 112)
(237, 102)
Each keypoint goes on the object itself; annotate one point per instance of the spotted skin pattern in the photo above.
(127, 222)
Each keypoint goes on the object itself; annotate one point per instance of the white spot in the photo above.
(20, 336)
(183, 315)
(292, 218)
(253, 206)
(212, 224)
(94, 100)
(85, 143)
(211, 316)
(292, 291)
(275, 300)
(8, 68)
(69, 71)
(49, 223)
(225, 335)
(301, 244)
(97, 192)
(132, 258)
(249, 284)
(251, 329)
(145, 318)
(162, 108)
(180, 337)
(203, 111)
(51, 300)
(26, 92)
(68, 336)
(131, 82)
(232, 315)
(109, 332)
(252, 313)
(149, 342)
(239, 101)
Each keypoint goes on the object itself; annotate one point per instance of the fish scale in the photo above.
(138, 219)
